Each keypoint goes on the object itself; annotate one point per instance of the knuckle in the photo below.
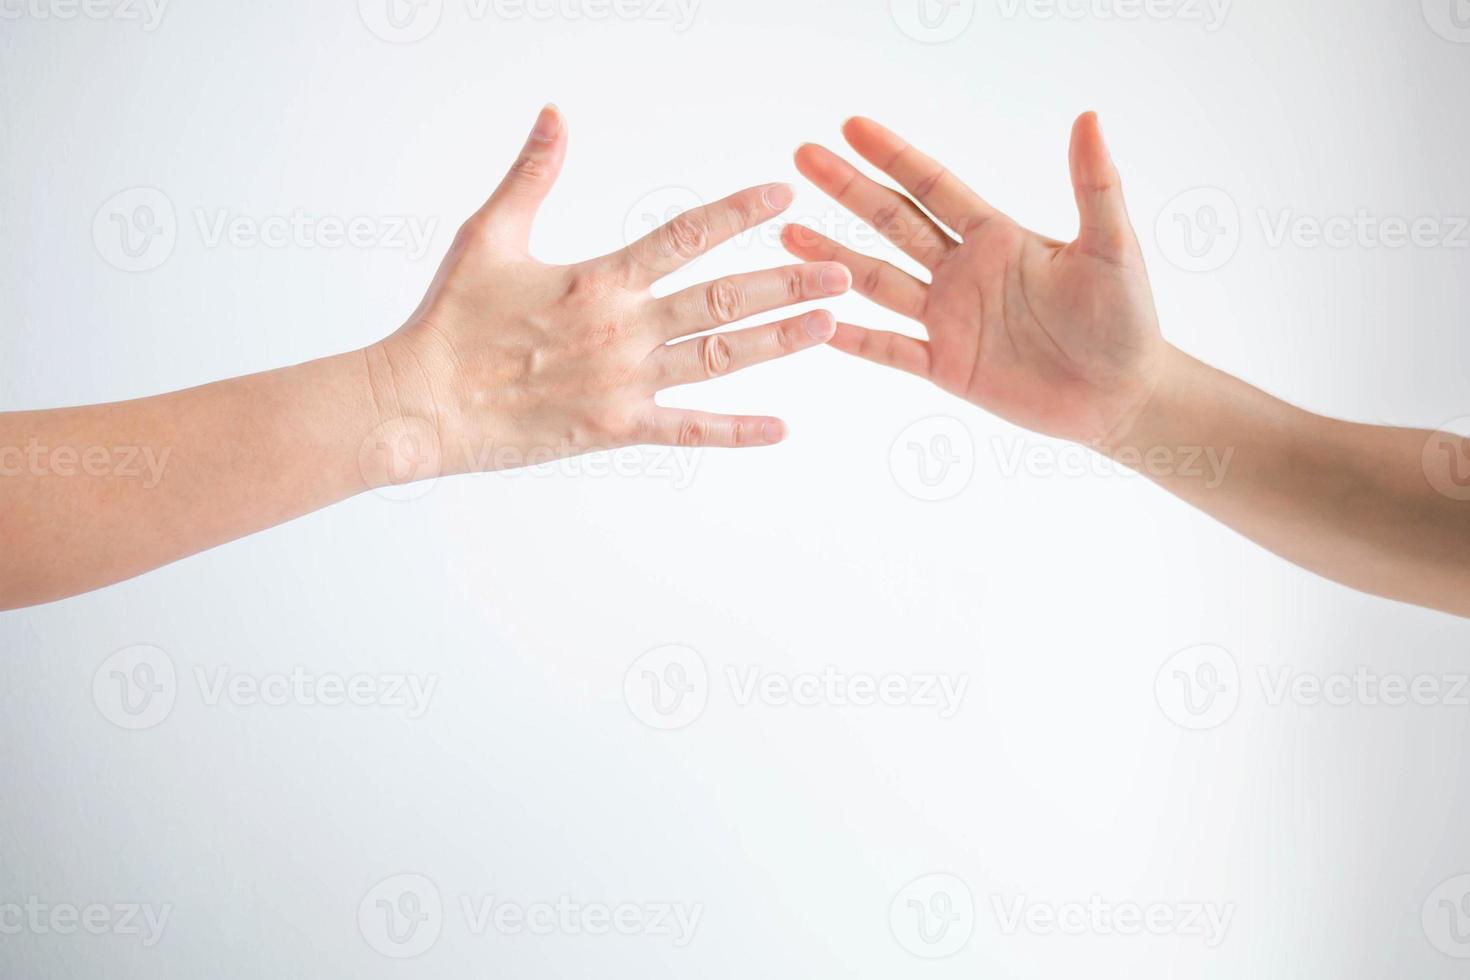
(788, 335)
(885, 219)
(692, 432)
(928, 182)
(530, 166)
(795, 284)
(724, 301)
(685, 236)
(737, 432)
(872, 279)
(714, 355)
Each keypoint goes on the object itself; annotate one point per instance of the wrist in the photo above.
(1156, 419)
(410, 426)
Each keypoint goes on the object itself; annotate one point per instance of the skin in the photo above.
(1063, 338)
(507, 361)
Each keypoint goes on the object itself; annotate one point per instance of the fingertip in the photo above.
(819, 325)
(549, 124)
(773, 431)
(778, 197)
(835, 278)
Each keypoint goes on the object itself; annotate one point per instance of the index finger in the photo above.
(673, 245)
(933, 186)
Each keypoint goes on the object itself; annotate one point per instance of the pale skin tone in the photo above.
(1063, 338)
(507, 361)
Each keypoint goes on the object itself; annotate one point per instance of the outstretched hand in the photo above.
(510, 354)
(1059, 338)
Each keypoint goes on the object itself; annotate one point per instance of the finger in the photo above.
(881, 347)
(675, 244)
(890, 213)
(681, 427)
(511, 210)
(882, 283)
(715, 304)
(944, 194)
(722, 353)
(1104, 229)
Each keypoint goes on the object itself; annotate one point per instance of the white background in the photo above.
(1326, 830)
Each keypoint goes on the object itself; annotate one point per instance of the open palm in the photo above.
(1059, 338)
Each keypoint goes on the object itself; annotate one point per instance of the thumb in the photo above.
(1105, 231)
(511, 210)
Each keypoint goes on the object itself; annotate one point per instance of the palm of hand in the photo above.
(1061, 339)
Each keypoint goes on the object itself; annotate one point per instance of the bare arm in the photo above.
(1375, 508)
(507, 362)
(1063, 338)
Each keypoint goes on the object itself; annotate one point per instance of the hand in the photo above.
(509, 360)
(1059, 338)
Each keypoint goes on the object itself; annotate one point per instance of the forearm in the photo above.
(96, 494)
(1351, 502)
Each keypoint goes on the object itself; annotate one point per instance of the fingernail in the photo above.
(772, 431)
(548, 124)
(778, 197)
(834, 279)
(818, 325)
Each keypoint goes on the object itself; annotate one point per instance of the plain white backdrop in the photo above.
(548, 753)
